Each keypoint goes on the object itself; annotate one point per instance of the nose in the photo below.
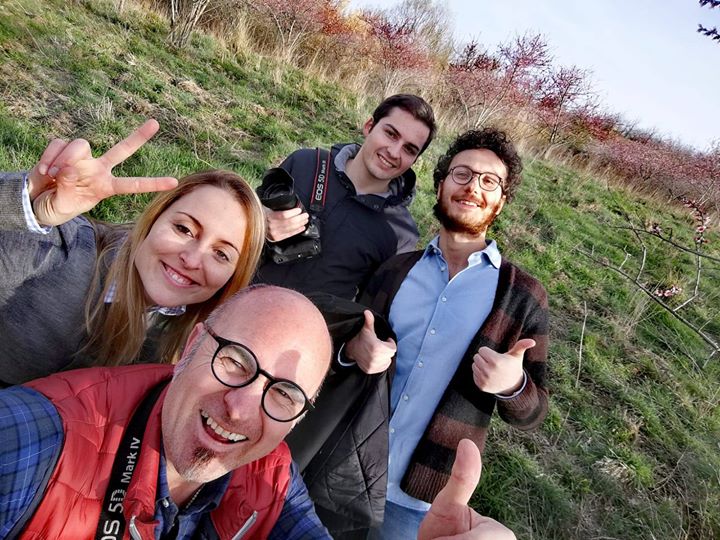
(395, 149)
(473, 186)
(191, 255)
(245, 401)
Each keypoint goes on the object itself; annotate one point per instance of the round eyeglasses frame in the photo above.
(493, 179)
(222, 343)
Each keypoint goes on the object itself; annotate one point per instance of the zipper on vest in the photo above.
(246, 527)
(132, 529)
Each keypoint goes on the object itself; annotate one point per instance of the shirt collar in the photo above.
(491, 253)
(169, 311)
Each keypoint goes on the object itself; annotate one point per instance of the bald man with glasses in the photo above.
(191, 451)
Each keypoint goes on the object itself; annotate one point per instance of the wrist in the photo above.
(515, 390)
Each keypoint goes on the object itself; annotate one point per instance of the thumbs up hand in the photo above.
(450, 517)
(371, 354)
(498, 373)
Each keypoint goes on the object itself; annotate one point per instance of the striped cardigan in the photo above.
(520, 310)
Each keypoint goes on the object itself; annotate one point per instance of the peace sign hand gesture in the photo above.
(68, 181)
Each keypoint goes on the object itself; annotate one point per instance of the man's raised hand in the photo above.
(498, 373)
(371, 354)
(68, 181)
(450, 517)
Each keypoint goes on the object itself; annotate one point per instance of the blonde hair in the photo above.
(118, 330)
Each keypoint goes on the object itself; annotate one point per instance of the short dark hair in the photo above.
(415, 105)
(484, 139)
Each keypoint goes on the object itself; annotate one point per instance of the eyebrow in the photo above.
(479, 172)
(410, 145)
(199, 225)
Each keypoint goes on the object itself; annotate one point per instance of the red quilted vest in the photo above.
(95, 406)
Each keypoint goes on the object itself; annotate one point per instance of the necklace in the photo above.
(192, 499)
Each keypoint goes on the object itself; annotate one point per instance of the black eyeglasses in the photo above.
(463, 175)
(234, 365)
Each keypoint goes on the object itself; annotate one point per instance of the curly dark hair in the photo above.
(484, 139)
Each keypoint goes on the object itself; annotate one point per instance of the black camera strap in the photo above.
(322, 172)
(111, 525)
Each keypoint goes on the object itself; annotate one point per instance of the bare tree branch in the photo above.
(706, 338)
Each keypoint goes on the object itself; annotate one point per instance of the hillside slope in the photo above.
(631, 446)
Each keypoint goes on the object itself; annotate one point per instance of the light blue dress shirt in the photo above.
(434, 319)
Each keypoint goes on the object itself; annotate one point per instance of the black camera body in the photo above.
(277, 192)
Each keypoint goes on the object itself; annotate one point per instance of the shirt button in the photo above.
(165, 503)
(432, 331)
(406, 397)
(420, 363)
(442, 268)
(444, 299)
(392, 430)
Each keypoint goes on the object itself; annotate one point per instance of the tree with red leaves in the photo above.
(293, 22)
(396, 51)
(565, 97)
(485, 85)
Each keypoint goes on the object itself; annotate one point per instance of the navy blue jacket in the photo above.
(358, 232)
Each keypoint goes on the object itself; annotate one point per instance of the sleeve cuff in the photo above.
(517, 392)
(342, 360)
(30, 220)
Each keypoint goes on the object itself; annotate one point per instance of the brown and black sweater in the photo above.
(520, 310)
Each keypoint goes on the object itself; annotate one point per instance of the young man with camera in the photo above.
(356, 198)
(332, 219)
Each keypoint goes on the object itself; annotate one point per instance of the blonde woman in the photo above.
(76, 292)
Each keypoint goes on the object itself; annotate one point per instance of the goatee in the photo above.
(201, 457)
(452, 224)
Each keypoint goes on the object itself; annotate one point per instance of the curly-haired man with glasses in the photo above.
(472, 332)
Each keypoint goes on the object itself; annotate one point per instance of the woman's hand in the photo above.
(68, 181)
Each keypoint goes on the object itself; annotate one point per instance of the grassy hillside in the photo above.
(630, 448)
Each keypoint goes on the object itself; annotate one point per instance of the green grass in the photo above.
(630, 446)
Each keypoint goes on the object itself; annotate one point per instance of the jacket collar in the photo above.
(402, 188)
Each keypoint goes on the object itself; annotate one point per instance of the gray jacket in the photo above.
(44, 280)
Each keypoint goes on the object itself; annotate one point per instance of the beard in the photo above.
(465, 226)
(195, 470)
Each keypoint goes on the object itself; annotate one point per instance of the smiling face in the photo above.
(192, 249)
(392, 144)
(469, 209)
(210, 429)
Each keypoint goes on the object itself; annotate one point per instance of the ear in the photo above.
(192, 339)
(439, 189)
(367, 126)
(500, 205)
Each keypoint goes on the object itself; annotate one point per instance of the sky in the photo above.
(648, 63)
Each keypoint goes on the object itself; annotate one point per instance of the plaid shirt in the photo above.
(32, 434)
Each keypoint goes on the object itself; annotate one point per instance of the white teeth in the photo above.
(177, 278)
(468, 203)
(385, 161)
(212, 424)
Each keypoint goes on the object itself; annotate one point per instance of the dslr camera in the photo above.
(277, 192)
